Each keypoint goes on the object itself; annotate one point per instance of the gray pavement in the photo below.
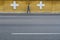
(29, 24)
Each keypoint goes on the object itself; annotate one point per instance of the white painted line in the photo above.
(33, 33)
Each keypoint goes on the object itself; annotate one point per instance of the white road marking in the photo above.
(40, 5)
(14, 5)
(33, 33)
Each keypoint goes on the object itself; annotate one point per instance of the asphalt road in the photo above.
(29, 24)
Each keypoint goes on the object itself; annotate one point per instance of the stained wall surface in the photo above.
(50, 6)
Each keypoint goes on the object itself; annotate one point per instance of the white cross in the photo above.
(14, 5)
(40, 5)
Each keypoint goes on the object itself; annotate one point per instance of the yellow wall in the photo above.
(50, 6)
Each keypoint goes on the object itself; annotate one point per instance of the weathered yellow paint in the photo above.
(51, 6)
(21, 8)
(46, 8)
